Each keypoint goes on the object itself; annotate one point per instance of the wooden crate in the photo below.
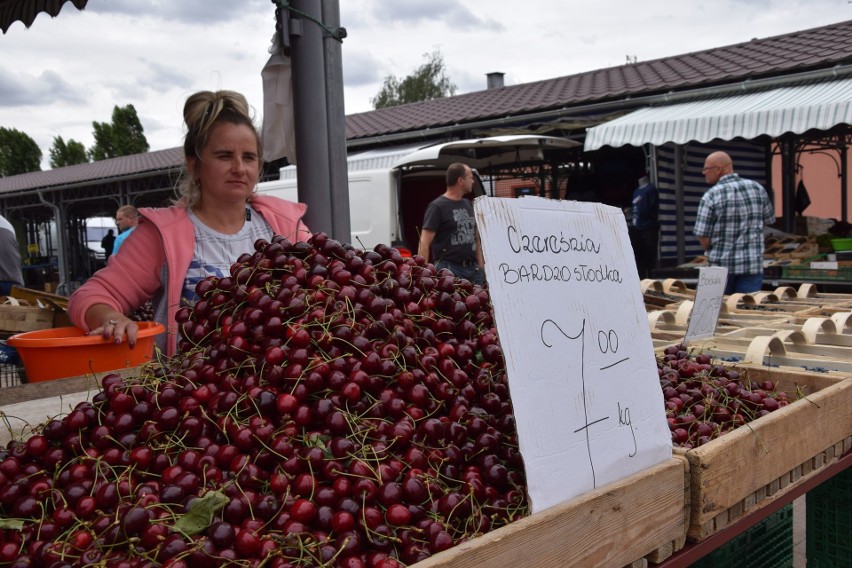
(766, 303)
(744, 318)
(797, 344)
(785, 349)
(755, 464)
(620, 524)
(23, 407)
(17, 316)
(641, 518)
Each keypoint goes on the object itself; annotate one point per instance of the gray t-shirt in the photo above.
(215, 252)
(455, 230)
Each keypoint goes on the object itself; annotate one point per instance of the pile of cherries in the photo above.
(704, 400)
(327, 407)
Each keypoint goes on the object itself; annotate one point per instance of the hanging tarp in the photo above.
(794, 109)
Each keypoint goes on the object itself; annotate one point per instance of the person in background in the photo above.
(449, 238)
(730, 223)
(217, 217)
(127, 217)
(646, 227)
(108, 243)
(10, 258)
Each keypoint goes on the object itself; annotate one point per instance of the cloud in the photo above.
(452, 13)
(24, 89)
(360, 68)
(190, 12)
(165, 74)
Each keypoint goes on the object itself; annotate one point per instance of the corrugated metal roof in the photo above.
(818, 48)
(775, 112)
(810, 49)
(26, 11)
(94, 172)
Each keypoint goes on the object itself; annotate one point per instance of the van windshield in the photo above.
(96, 233)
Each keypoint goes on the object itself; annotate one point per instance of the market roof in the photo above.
(794, 109)
(813, 49)
(816, 48)
(25, 11)
(101, 170)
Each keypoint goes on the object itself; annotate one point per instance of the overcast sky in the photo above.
(63, 73)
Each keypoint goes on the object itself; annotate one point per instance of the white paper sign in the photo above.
(708, 302)
(574, 331)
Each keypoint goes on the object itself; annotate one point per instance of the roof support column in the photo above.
(337, 167)
(788, 183)
(63, 288)
(844, 181)
(311, 120)
(679, 203)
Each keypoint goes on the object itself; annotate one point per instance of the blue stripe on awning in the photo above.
(775, 112)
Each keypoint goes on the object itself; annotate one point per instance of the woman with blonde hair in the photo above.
(215, 219)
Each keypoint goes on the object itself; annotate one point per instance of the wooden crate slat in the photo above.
(611, 526)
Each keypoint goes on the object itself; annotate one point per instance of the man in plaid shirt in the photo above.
(730, 221)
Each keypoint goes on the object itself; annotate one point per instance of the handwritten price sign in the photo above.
(708, 301)
(579, 357)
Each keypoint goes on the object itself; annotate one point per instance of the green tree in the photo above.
(121, 137)
(62, 154)
(19, 154)
(429, 81)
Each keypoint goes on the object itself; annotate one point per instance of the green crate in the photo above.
(807, 273)
(768, 544)
(829, 517)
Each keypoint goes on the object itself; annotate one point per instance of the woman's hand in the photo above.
(111, 324)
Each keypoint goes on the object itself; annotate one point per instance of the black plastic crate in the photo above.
(829, 518)
(768, 544)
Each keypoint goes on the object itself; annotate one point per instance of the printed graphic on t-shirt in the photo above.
(465, 228)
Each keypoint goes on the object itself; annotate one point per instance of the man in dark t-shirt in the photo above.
(448, 237)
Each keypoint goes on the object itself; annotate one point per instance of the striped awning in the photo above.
(26, 11)
(794, 109)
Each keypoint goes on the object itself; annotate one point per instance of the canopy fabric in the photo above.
(26, 11)
(793, 109)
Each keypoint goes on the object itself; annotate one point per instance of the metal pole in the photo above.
(337, 165)
(788, 184)
(844, 181)
(64, 285)
(309, 104)
(679, 203)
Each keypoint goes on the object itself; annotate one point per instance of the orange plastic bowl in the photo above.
(62, 352)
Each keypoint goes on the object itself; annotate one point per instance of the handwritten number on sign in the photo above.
(550, 325)
(704, 313)
(607, 344)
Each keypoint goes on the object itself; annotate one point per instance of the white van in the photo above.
(389, 189)
(96, 230)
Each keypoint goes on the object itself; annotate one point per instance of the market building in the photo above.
(781, 106)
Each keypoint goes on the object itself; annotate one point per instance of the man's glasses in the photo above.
(705, 170)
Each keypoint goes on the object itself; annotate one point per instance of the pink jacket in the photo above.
(161, 242)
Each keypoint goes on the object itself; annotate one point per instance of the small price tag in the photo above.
(708, 302)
